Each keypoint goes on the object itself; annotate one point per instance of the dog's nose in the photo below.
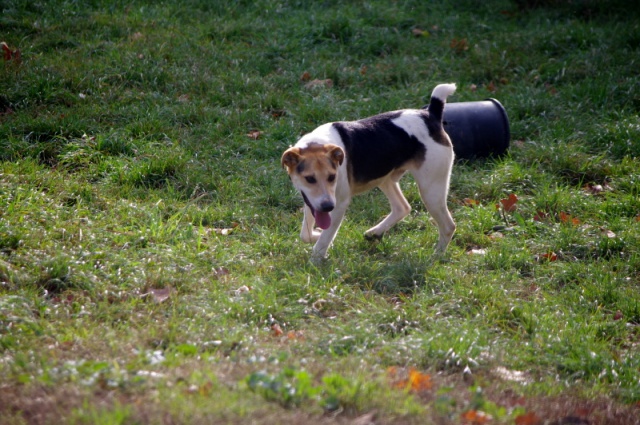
(326, 206)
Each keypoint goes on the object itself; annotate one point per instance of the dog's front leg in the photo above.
(308, 233)
(326, 237)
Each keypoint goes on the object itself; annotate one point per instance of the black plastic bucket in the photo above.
(477, 129)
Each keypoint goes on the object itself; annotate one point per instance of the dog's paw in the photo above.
(371, 236)
(310, 237)
(318, 260)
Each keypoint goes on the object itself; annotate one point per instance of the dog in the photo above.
(339, 160)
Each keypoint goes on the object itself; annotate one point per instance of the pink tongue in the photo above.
(323, 220)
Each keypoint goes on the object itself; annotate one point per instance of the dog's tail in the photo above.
(439, 98)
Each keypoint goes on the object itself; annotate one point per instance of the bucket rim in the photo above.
(505, 117)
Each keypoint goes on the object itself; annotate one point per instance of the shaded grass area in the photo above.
(150, 270)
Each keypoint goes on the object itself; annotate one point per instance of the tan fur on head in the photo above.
(292, 157)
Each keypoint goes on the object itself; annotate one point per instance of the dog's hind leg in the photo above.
(400, 208)
(434, 196)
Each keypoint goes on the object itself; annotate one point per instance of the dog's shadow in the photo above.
(383, 273)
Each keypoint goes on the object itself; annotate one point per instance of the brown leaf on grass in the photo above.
(415, 381)
(419, 381)
(6, 50)
(608, 233)
(568, 219)
(305, 76)
(468, 202)
(219, 272)
(276, 330)
(459, 45)
(225, 231)
(417, 32)
(529, 418)
(328, 83)
(11, 55)
(277, 113)
(242, 290)
(593, 189)
(255, 134)
(549, 256)
(540, 216)
(475, 417)
(363, 70)
(491, 87)
(295, 335)
(159, 295)
(508, 204)
(203, 390)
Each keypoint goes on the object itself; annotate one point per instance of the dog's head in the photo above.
(313, 171)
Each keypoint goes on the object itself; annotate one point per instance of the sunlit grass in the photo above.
(150, 267)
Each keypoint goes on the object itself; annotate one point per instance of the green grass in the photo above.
(150, 267)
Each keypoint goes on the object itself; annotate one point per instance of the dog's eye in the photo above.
(331, 178)
(310, 179)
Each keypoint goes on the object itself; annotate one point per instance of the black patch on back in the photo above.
(375, 146)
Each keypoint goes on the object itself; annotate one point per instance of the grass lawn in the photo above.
(150, 266)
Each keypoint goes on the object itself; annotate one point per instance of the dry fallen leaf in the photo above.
(14, 55)
(415, 380)
(220, 271)
(276, 330)
(159, 295)
(529, 418)
(459, 45)
(468, 202)
(475, 417)
(328, 83)
(607, 233)
(594, 189)
(568, 219)
(419, 381)
(509, 203)
(417, 32)
(540, 216)
(254, 134)
(295, 335)
(242, 290)
(305, 76)
(549, 256)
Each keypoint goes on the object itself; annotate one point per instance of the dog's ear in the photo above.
(291, 158)
(336, 154)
